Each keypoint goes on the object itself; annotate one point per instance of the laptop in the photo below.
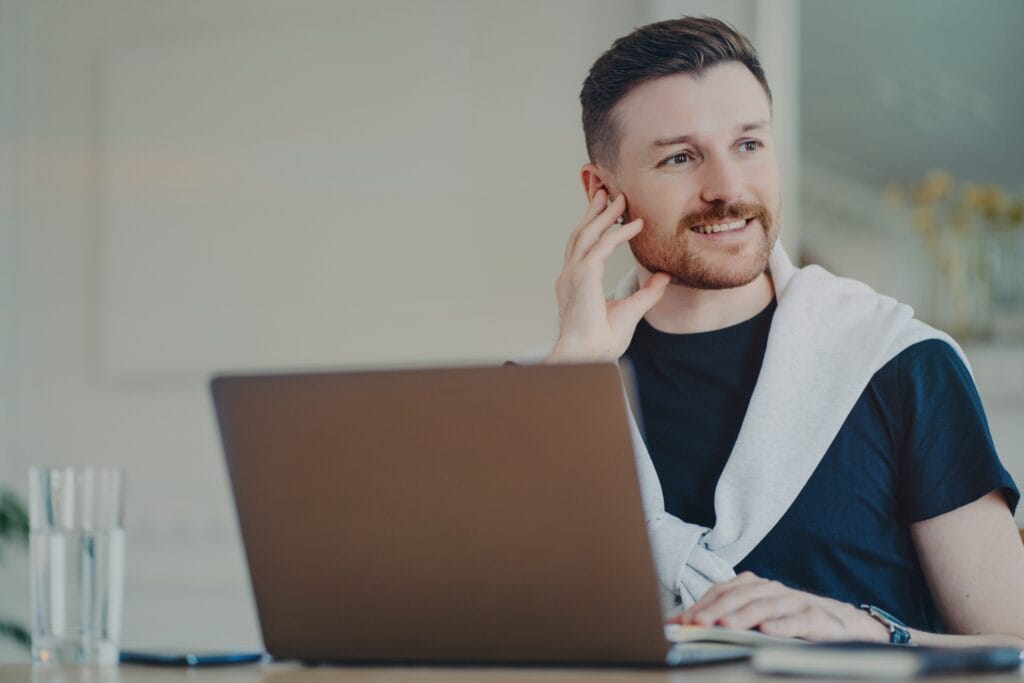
(487, 515)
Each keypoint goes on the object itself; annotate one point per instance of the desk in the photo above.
(293, 673)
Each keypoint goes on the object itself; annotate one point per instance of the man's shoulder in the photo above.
(931, 359)
(926, 372)
(922, 365)
(931, 381)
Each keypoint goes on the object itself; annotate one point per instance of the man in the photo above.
(800, 430)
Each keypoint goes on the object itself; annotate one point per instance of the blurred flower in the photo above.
(972, 195)
(973, 236)
(935, 186)
(942, 204)
(1015, 212)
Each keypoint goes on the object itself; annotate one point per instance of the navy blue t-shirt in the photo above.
(915, 445)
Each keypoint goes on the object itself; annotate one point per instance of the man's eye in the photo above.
(678, 159)
(750, 145)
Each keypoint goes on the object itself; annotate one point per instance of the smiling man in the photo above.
(815, 462)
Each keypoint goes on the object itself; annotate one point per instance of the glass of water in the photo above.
(76, 551)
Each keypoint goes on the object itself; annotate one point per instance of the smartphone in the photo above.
(179, 658)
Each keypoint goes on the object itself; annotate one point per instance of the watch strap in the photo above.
(898, 633)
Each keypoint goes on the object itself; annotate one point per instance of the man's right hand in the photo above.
(591, 328)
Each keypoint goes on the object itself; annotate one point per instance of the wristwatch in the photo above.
(898, 633)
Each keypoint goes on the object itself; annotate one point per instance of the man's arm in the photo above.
(974, 564)
(973, 560)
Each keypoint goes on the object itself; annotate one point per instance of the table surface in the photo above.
(294, 673)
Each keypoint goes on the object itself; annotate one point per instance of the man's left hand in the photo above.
(748, 602)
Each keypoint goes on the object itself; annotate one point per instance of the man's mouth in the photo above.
(721, 227)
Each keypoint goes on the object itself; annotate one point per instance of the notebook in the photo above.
(878, 660)
(446, 515)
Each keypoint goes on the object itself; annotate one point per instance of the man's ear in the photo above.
(596, 178)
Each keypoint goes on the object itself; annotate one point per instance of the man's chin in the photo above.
(716, 280)
(703, 273)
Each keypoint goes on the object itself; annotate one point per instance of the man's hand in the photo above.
(749, 601)
(591, 328)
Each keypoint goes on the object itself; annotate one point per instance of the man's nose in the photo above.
(720, 181)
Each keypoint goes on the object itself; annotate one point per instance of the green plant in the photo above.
(13, 529)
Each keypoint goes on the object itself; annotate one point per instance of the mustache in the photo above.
(720, 213)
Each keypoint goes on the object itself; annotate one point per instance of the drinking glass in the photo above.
(76, 553)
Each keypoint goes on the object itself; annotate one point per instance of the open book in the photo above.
(679, 633)
(704, 644)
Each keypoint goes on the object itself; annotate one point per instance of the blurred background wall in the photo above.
(188, 188)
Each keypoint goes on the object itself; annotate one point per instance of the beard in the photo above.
(708, 266)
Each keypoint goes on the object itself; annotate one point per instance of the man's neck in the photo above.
(685, 310)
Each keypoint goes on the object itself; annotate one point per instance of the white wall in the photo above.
(10, 45)
(13, 574)
(188, 187)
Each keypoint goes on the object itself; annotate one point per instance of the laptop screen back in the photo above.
(472, 515)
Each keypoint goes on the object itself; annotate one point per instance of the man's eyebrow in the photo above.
(680, 139)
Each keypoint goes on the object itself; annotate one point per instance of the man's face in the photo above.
(695, 155)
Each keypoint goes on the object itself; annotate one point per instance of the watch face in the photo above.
(899, 636)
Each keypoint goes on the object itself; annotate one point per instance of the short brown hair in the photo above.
(684, 45)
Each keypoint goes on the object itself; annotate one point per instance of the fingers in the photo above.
(611, 239)
(628, 311)
(731, 597)
(759, 610)
(589, 231)
(715, 591)
(749, 601)
(598, 203)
